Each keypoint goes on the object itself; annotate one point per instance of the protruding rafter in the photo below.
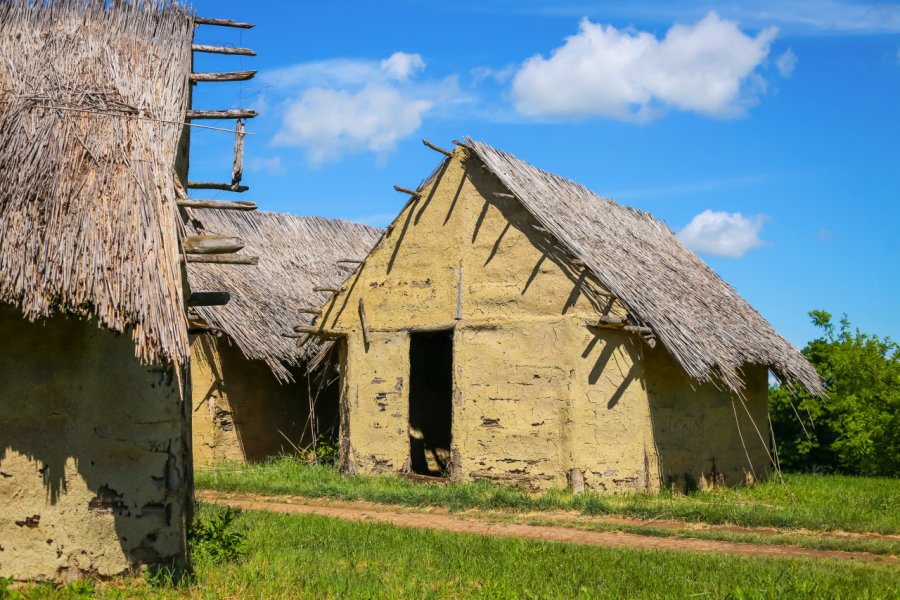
(222, 23)
(232, 76)
(233, 113)
(223, 50)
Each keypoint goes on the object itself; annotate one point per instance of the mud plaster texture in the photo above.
(242, 413)
(541, 398)
(92, 481)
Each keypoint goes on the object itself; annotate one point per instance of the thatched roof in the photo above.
(91, 101)
(701, 320)
(296, 254)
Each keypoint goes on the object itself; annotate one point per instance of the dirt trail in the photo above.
(442, 521)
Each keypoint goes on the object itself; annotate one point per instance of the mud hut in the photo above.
(94, 440)
(513, 326)
(255, 393)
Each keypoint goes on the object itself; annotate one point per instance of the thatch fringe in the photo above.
(296, 254)
(702, 321)
(91, 101)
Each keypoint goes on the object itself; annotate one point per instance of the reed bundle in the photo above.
(710, 330)
(92, 98)
(296, 255)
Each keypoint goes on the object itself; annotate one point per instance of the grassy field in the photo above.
(317, 557)
(814, 502)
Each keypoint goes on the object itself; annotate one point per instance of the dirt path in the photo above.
(442, 521)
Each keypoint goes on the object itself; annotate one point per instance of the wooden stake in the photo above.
(208, 299)
(233, 76)
(404, 190)
(310, 310)
(613, 320)
(216, 204)
(212, 244)
(365, 324)
(354, 261)
(638, 329)
(504, 195)
(222, 23)
(437, 148)
(234, 113)
(212, 185)
(327, 289)
(237, 169)
(223, 50)
(223, 259)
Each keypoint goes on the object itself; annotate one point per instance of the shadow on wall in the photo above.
(92, 476)
(266, 418)
(707, 436)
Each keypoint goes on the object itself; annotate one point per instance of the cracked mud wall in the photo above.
(538, 393)
(241, 412)
(92, 473)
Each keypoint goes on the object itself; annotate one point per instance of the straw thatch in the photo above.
(91, 101)
(702, 321)
(296, 254)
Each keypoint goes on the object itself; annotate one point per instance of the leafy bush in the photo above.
(326, 451)
(213, 536)
(856, 429)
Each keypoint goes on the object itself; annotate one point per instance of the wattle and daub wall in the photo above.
(241, 412)
(92, 453)
(540, 397)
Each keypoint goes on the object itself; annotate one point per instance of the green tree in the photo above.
(856, 429)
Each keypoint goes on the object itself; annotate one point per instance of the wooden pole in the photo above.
(237, 169)
(208, 299)
(223, 50)
(223, 259)
(365, 323)
(437, 148)
(309, 310)
(327, 289)
(233, 113)
(504, 195)
(216, 204)
(613, 320)
(222, 23)
(404, 190)
(459, 298)
(354, 261)
(233, 76)
(212, 185)
(211, 244)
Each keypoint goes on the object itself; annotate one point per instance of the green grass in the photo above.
(814, 502)
(318, 557)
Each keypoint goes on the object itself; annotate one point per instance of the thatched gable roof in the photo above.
(296, 254)
(701, 320)
(91, 101)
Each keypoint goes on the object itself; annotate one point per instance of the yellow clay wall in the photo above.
(93, 479)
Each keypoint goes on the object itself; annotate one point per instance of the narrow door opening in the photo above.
(430, 402)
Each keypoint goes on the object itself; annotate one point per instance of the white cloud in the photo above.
(503, 75)
(342, 106)
(270, 166)
(729, 235)
(330, 123)
(786, 63)
(708, 67)
(401, 65)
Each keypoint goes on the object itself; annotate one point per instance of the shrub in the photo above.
(213, 536)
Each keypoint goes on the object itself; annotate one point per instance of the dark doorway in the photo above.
(430, 401)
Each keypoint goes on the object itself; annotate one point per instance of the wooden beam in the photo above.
(216, 204)
(212, 185)
(364, 322)
(461, 144)
(233, 76)
(613, 320)
(437, 148)
(309, 310)
(212, 244)
(237, 167)
(539, 228)
(327, 289)
(314, 330)
(294, 335)
(427, 328)
(222, 23)
(223, 259)
(504, 195)
(208, 299)
(638, 329)
(223, 50)
(404, 190)
(354, 261)
(232, 113)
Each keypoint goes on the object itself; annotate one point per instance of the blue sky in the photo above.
(765, 133)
